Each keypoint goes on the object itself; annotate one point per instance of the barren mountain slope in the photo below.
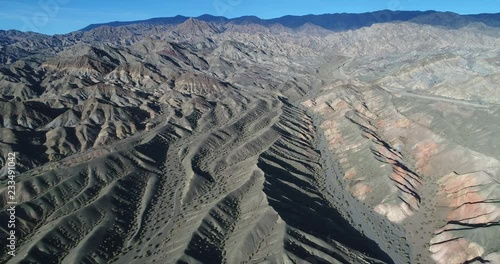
(210, 142)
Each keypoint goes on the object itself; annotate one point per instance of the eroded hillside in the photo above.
(207, 142)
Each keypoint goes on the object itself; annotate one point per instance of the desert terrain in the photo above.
(295, 140)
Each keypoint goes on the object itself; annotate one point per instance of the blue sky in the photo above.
(63, 16)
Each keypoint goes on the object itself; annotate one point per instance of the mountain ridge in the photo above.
(205, 142)
(332, 21)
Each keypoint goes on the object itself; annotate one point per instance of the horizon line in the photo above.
(98, 24)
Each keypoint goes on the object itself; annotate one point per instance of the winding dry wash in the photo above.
(211, 140)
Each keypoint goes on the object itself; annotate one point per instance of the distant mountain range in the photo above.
(333, 22)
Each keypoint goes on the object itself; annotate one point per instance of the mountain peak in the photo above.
(193, 26)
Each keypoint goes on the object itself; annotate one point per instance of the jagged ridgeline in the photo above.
(370, 138)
